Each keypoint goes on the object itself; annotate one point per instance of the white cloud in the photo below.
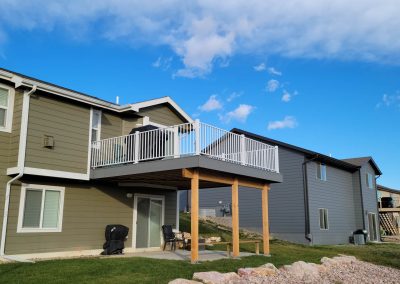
(211, 104)
(273, 71)
(234, 96)
(286, 97)
(260, 67)
(390, 100)
(239, 114)
(272, 85)
(162, 63)
(287, 122)
(203, 33)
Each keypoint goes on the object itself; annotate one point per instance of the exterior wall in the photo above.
(16, 128)
(336, 195)
(68, 123)
(129, 123)
(161, 114)
(88, 208)
(370, 199)
(111, 125)
(286, 201)
(358, 206)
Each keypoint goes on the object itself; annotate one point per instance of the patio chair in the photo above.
(169, 237)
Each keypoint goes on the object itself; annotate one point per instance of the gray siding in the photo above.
(286, 201)
(88, 208)
(369, 195)
(336, 195)
(162, 114)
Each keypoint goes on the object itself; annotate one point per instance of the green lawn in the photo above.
(142, 270)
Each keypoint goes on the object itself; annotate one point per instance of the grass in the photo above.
(143, 270)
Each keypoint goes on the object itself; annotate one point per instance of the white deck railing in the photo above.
(183, 140)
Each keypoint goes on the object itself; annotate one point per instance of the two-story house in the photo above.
(321, 200)
(71, 163)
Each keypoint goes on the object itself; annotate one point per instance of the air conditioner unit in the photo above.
(48, 142)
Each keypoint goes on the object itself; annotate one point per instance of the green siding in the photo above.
(111, 125)
(162, 114)
(68, 123)
(88, 209)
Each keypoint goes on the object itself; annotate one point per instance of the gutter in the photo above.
(307, 233)
(21, 165)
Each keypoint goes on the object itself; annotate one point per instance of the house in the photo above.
(389, 209)
(321, 200)
(71, 163)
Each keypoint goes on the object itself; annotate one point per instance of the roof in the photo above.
(388, 189)
(308, 153)
(23, 80)
(361, 161)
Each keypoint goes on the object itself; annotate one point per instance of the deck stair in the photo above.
(387, 224)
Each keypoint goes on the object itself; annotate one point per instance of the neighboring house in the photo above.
(321, 200)
(389, 208)
(69, 166)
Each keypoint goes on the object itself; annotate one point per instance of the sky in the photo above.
(323, 75)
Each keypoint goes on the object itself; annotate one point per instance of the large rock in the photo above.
(183, 281)
(307, 272)
(214, 277)
(264, 270)
(338, 260)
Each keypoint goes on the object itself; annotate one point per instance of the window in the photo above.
(40, 209)
(370, 180)
(96, 125)
(321, 171)
(6, 108)
(323, 219)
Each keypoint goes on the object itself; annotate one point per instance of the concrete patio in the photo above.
(204, 255)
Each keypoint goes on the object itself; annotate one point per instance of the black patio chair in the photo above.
(169, 237)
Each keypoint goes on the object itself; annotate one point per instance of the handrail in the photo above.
(188, 139)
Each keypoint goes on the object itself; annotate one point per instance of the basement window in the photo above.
(321, 171)
(41, 209)
(323, 219)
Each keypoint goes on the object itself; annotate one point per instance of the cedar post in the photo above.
(265, 218)
(235, 218)
(195, 217)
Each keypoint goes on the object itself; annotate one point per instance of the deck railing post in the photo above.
(243, 149)
(136, 143)
(276, 159)
(197, 136)
(176, 142)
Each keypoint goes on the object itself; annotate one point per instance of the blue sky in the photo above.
(326, 82)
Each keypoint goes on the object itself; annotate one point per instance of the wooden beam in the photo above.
(223, 179)
(235, 218)
(265, 220)
(194, 245)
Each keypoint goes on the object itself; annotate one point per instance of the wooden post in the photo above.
(195, 217)
(257, 248)
(235, 218)
(264, 201)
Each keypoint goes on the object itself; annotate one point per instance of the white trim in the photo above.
(177, 210)
(327, 219)
(89, 142)
(146, 121)
(137, 106)
(134, 227)
(49, 173)
(9, 109)
(143, 184)
(42, 188)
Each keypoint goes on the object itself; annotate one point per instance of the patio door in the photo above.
(373, 227)
(148, 219)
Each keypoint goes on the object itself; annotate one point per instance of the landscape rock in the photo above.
(214, 277)
(183, 281)
(307, 272)
(264, 270)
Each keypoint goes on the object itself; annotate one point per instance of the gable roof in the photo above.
(308, 153)
(388, 189)
(361, 161)
(22, 80)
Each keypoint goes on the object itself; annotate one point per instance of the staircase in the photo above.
(386, 222)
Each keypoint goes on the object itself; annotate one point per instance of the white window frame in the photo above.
(321, 166)
(370, 186)
(327, 219)
(9, 109)
(98, 128)
(40, 229)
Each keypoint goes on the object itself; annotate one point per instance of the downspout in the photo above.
(377, 208)
(307, 234)
(21, 165)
